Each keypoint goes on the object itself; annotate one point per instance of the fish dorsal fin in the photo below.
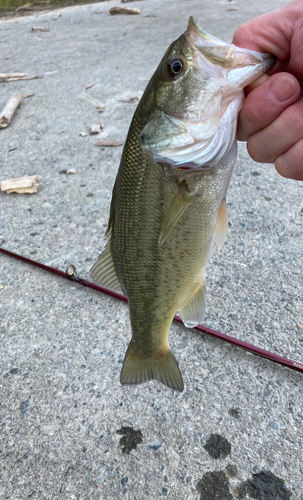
(103, 272)
(161, 366)
(192, 313)
(222, 225)
(175, 210)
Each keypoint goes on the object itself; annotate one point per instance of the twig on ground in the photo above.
(9, 109)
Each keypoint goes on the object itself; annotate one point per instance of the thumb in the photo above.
(266, 102)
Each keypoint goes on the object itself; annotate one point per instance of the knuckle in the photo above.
(256, 149)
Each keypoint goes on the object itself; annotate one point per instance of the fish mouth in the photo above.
(222, 54)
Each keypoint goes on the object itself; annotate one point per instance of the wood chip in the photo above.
(11, 77)
(90, 86)
(93, 101)
(1, 286)
(26, 96)
(131, 98)
(123, 10)
(83, 134)
(95, 129)
(127, 1)
(9, 109)
(105, 144)
(57, 17)
(28, 184)
(71, 171)
(38, 28)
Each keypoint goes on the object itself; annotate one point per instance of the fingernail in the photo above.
(282, 89)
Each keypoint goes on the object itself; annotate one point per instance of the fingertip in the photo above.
(284, 87)
(266, 102)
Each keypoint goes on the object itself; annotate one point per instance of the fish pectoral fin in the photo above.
(192, 313)
(175, 210)
(222, 225)
(139, 368)
(103, 272)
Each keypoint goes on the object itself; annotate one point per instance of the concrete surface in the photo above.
(62, 346)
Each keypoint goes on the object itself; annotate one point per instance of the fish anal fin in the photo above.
(176, 209)
(193, 311)
(103, 271)
(162, 366)
(222, 225)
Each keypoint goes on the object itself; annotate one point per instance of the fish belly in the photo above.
(158, 281)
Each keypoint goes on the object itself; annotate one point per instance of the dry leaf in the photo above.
(90, 86)
(26, 96)
(93, 101)
(10, 77)
(38, 28)
(83, 134)
(9, 109)
(123, 10)
(26, 6)
(105, 144)
(71, 171)
(28, 184)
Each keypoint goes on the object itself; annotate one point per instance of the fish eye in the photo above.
(174, 67)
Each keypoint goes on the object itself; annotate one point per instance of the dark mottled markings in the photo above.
(130, 439)
(217, 446)
(214, 486)
(264, 486)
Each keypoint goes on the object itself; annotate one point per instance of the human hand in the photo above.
(271, 120)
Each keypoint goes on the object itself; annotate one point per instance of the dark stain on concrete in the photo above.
(217, 446)
(130, 439)
(214, 486)
(235, 412)
(264, 486)
(231, 470)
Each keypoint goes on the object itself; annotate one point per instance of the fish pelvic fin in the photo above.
(139, 368)
(193, 311)
(175, 210)
(103, 272)
(222, 225)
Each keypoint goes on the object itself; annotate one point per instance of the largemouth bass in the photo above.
(168, 204)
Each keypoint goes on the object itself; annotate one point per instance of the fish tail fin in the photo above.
(138, 368)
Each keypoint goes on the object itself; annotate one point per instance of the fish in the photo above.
(168, 203)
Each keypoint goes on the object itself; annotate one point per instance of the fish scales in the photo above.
(168, 205)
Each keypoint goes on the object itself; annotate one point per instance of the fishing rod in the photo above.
(71, 275)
